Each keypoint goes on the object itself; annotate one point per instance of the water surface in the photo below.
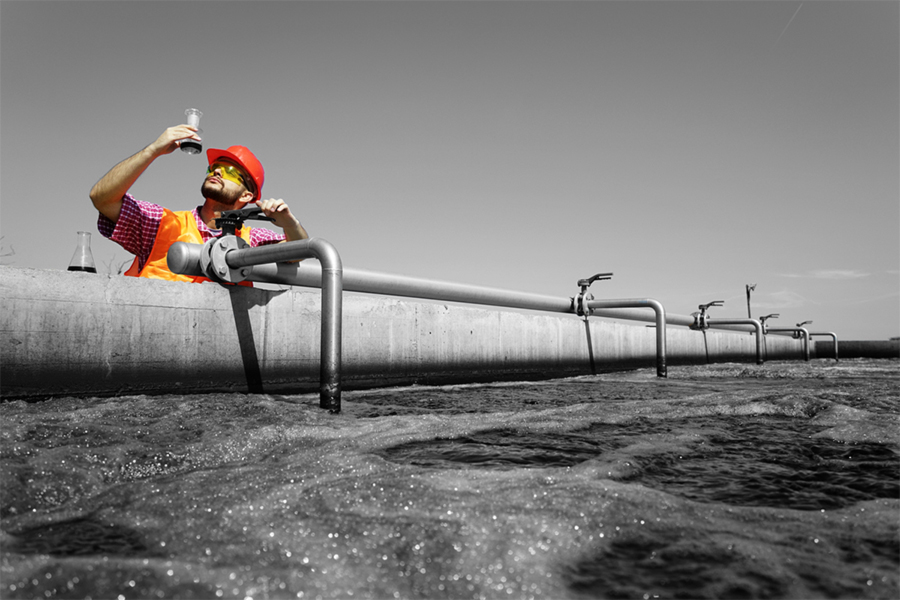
(722, 481)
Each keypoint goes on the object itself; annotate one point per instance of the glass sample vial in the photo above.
(193, 119)
(83, 260)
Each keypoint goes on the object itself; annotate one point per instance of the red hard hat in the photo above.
(246, 160)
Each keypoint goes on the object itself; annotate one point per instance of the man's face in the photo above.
(220, 184)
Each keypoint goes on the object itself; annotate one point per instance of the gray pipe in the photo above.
(755, 323)
(185, 258)
(356, 280)
(660, 313)
(804, 334)
(833, 337)
(373, 282)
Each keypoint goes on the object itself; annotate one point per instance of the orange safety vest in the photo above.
(174, 227)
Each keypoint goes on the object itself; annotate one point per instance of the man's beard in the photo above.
(220, 194)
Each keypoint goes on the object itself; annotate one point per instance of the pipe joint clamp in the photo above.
(581, 307)
(700, 323)
(212, 259)
(579, 303)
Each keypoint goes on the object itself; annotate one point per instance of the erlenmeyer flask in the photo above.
(83, 260)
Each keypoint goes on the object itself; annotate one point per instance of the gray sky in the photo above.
(689, 147)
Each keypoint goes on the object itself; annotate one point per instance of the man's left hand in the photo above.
(280, 213)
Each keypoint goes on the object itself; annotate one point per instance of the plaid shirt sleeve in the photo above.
(136, 228)
(260, 236)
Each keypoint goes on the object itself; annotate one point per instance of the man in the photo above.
(234, 178)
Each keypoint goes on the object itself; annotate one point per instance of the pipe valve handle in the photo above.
(232, 220)
(705, 307)
(587, 282)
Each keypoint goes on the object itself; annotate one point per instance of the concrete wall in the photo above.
(79, 334)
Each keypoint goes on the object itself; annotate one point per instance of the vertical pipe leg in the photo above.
(330, 363)
(660, 340)
(760, 340)
(660, 311)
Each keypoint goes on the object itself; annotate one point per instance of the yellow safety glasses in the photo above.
(229, 172)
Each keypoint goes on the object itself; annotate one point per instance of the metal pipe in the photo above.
(357, 280)
(833, 337)
(750, 287)
(660, 313)
(373, 282)
(804, 335)
(755, 323)
(642, 315)
(186, 259)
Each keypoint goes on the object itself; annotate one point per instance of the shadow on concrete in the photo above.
(244, 299)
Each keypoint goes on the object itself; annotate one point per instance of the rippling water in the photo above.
(722, 481)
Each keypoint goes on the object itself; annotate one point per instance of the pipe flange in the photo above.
(581, 305)
(212, 259)
(699, 323)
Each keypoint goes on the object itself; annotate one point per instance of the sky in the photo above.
(690, 148)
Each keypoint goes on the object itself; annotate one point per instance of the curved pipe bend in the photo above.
(658, 308)
(756, 324)
(833, 337)
(184, 258)
(804, 334)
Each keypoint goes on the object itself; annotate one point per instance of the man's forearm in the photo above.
(293, 234)
(108, 192)
(281, 215)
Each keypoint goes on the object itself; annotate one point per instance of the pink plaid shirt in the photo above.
(139, 221)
